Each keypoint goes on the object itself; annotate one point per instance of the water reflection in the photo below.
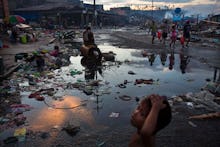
(184, 61)
(57, 113)
(92, 68)
(151, 58)
(171, 60)
(216, 74)
(163, 57)
(105, 98)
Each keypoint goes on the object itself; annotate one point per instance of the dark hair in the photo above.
(164, 116)
(56, 47)
(88, 28)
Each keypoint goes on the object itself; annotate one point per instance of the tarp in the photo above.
(177, 18)
(23, 26)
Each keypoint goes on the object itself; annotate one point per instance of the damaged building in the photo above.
(67, 14)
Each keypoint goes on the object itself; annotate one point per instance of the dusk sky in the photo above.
(202, 7)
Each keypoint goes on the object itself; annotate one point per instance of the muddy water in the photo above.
(94, 114)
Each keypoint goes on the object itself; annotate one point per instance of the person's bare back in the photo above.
(136, 141)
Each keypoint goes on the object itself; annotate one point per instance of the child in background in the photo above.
(182, 40)
(55, 52)
(159, 35)
(153, 29)
(152, 114)
(173, 36)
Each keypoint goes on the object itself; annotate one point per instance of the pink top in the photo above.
(54, 53)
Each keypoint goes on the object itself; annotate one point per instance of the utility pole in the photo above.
(152, 10)
(5, 8)
(94, 13)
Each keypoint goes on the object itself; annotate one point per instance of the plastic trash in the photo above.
(20, 134)
(11, 140)
(131, 73)
(71, 130)
(44, 135)
(125, 97)
(190, 104)
(114, 114)
(100, 144)
(192, 124)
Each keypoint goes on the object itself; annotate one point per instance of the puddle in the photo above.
(95, 114)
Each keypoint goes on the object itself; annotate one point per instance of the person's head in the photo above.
(141, 112)
(56, 47)
(187, 22)
(88, 28)
(165, 21)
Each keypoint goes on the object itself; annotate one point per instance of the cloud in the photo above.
(170, 1)
(203, 10)
(176, 3)
(107, 1)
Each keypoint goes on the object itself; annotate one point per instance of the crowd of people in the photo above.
(172, 32)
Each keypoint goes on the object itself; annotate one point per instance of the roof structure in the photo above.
(49, 6)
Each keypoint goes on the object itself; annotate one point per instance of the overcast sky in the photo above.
(202, 7)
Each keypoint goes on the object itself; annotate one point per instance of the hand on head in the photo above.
(157, 101)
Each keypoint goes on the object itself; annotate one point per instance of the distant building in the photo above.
(121, 10)
(215, 18)
(66, 14)
(63, 1)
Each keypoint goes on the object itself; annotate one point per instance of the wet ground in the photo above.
(102, 111)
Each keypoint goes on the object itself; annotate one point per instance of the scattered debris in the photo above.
(44, 135)
(71, 129)
(192, 124)
(110, 56)
(206, 116)
(114, 114)
(20, 133)
(144, 81)
(11, 140)
(125, 98)
(131, 73)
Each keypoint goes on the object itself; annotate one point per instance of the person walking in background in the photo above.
(88, 37)
(186, 32)
(173, 36)
(182, 40)
(159, 34)
(152, 114)
(165, 29)
(153, 29)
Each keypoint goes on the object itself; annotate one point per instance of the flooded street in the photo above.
(100, 100)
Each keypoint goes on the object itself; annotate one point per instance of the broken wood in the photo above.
(206, 116)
